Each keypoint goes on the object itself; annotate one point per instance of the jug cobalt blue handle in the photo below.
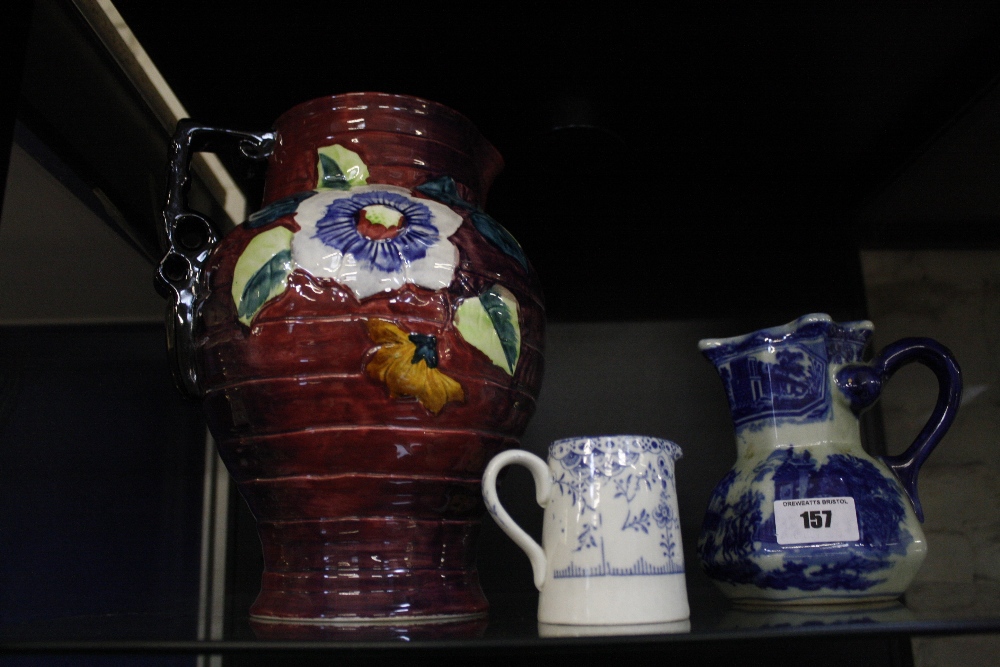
(862, 384)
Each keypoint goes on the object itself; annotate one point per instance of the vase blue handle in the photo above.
(862, 385)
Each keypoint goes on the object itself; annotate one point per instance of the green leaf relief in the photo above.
(261, 272)
(504, 322)
(490, 324)
(340, 168)
(330, 175)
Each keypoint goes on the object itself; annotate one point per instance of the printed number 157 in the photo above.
(814, 519)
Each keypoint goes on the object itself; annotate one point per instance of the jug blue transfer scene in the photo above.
(806, 516)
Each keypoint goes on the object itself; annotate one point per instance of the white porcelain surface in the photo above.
(611, 548)
(669, 628)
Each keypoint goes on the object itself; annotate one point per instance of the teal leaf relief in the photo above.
(490, 323)
(499, 236)
(331, 176)
(277, 209)
(443, 189)
(269, 279)
(425, 348)
(499, 313)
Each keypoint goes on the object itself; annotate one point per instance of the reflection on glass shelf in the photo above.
(672, 628)
(166, 631)
(396, 630)
(800, 616)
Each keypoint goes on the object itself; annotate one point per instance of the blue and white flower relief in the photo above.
(401, 239)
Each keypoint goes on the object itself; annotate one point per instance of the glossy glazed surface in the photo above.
(353, 412)
(401, 139)
(806, 515)
(611, 542)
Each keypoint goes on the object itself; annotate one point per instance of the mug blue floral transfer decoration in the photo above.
(805, 515)
(611, 550)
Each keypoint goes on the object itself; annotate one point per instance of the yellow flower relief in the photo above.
(407, 364)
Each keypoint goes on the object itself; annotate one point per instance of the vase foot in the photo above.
(439, 626)
(369, 597)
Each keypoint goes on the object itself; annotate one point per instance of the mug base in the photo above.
(614, 600)
(561, 630)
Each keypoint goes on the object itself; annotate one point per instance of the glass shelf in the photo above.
(161, 634)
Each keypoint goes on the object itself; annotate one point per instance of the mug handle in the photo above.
(187, 238)
(543, 491)
(862, 384)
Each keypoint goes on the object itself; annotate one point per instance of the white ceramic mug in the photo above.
(611, 550)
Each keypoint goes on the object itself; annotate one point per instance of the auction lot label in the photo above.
(816, 520)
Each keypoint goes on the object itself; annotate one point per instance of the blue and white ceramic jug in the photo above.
(806, 515)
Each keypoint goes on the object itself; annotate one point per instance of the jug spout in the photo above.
(779, 380)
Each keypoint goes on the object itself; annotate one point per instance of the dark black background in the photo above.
(677, 161)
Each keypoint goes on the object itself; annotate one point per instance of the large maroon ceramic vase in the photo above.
(363, 345)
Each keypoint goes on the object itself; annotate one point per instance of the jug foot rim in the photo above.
(817, 602)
